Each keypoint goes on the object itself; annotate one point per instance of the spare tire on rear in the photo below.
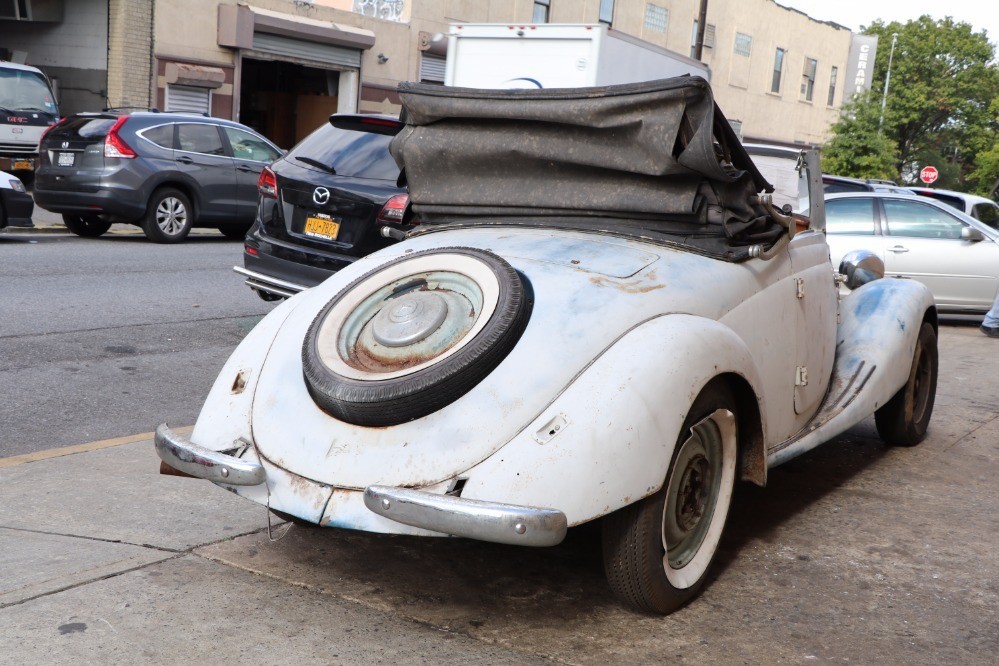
(414, 335)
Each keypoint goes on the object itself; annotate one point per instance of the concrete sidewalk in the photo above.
(854, 553)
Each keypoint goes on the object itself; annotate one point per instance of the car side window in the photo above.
(912, 219)
(987, 213)
(850, 216)
(199, 138)
(162, 136)
(246, 146)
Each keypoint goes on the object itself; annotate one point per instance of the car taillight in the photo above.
(267, 184)
(393, 209)
(47, 130)
(114, 145)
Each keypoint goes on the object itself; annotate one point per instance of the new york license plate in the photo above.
(65, 159)
(321, 225)
(22, 165)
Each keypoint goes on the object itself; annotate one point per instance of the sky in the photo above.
(981, 14)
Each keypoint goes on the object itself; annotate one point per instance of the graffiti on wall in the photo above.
(387, 10)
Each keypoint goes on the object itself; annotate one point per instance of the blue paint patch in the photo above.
(869, 298)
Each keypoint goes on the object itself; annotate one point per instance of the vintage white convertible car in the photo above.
(608, 313)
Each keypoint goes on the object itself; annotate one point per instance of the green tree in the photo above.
(857, 148)
(944, 80)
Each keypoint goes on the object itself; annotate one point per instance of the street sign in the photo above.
(928, 174)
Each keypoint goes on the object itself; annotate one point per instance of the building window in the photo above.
(656, 17)
(709, 38)
(606, 11)
(743, 44)
(832, 86)
(541, 9)
(736, 127)
(778, 70)
(808, 79)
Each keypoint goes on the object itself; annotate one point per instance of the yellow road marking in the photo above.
(83, 448)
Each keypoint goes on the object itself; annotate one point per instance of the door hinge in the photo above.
(801, 376)
(799, 284)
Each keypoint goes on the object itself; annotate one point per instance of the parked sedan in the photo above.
(165, 172)
(332, 199)
(954, 255)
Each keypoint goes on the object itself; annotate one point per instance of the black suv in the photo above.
(166, 172)
(332, 199)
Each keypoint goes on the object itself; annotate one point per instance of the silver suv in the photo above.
(165, 172)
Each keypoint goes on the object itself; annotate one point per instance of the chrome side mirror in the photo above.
(971, 234)
(859, 267)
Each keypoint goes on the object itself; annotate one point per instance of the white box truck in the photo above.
(553, 55)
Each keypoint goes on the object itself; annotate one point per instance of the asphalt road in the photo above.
(110, 337)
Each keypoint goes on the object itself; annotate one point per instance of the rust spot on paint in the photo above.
(641, 285)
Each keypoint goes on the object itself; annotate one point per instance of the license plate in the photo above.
(65, 159)
(320, 225)
(22, 165)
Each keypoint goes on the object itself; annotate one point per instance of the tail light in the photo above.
(114, 145)
(267, 184)
(393, 209)
(47, 130)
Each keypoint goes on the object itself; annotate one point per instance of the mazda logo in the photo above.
(321, 195)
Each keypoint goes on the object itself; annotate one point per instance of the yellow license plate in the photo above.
(322, 226)
(22, 165)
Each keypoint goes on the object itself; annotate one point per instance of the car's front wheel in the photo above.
(169, 216)
(904, 419)
(657, 551)
(86, 226)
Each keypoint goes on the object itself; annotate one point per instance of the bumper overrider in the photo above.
(474, 519)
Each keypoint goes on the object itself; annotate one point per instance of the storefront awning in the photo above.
(239, 24)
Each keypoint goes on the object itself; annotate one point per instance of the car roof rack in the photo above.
(112, 109)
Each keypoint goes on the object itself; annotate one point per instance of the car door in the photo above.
(853, 224)
(200, 154)
(250, 154)
(923, 242)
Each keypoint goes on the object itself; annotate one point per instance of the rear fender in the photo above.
(606, 441)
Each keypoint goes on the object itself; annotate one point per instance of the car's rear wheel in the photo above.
(657, 551)
(904, 420)
(87, 226)
(169, 216)
(413, 335)
(235, 231)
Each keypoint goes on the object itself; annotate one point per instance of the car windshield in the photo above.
(22, 90)
(348, 153)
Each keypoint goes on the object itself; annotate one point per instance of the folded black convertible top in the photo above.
(656, 157)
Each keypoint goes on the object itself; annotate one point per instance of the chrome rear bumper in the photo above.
(475, 519)
(188, 457)
(272, 285)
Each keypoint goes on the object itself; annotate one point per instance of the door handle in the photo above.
(184, 159)
(898, 249)
(244, 168)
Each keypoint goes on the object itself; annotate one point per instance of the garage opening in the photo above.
(285, 101)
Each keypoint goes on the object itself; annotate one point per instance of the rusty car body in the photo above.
(608, 312)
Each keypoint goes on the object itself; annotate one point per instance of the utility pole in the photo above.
(884, 95)
(702, 19)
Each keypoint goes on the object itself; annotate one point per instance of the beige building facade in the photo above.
(282, 66)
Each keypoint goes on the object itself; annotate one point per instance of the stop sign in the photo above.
(928, 174)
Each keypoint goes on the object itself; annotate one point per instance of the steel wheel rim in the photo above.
(692, 494)
(171, 215)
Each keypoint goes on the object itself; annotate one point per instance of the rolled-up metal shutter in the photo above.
(432, 68)
(188, 99)
(311, 51)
